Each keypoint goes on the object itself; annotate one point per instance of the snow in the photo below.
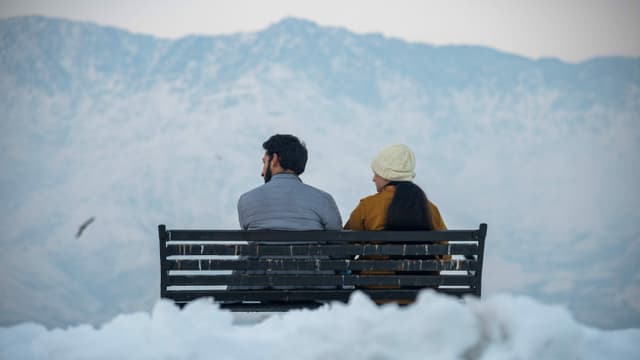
(436, 326)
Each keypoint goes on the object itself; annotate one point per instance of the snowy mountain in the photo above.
(137, 131)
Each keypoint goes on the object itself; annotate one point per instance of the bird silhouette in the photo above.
(84, 226)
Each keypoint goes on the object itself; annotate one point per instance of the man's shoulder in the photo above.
(316, 191)
(288, 189)
(252, 193)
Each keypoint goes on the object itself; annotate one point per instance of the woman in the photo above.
(399, 203)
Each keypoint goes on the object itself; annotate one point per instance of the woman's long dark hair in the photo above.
(408, 209)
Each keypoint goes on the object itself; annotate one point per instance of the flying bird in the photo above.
(84, 226)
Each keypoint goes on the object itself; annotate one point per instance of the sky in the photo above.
(572, 30)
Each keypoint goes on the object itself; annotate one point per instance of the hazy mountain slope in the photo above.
(138, 131)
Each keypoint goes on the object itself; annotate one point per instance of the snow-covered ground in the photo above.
(436, 326)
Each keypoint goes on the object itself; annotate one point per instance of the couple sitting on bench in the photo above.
(284, 202)
(302, 268)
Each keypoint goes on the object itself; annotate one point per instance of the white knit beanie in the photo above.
(395, 163)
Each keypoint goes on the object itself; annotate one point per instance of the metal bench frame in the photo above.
(284, 270)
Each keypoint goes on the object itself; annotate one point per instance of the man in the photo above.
(284, 202)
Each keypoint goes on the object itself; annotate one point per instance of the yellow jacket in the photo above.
(371, 213)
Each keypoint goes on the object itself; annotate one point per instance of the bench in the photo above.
(284, 270)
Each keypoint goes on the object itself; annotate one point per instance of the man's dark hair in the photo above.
(291, 151)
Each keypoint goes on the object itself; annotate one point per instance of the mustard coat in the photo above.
(371, 212)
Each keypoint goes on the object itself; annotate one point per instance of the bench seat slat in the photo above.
(301, 295)
(323, 250)
(331, 236)
(322, 265)
(321, 280)
(271, 307)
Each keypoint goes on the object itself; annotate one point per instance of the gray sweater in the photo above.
(286, 203)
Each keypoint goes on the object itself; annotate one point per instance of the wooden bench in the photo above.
(283, 270)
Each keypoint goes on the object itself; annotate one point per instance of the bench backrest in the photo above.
(281, 270)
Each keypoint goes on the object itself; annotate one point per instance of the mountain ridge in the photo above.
(436, 69)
